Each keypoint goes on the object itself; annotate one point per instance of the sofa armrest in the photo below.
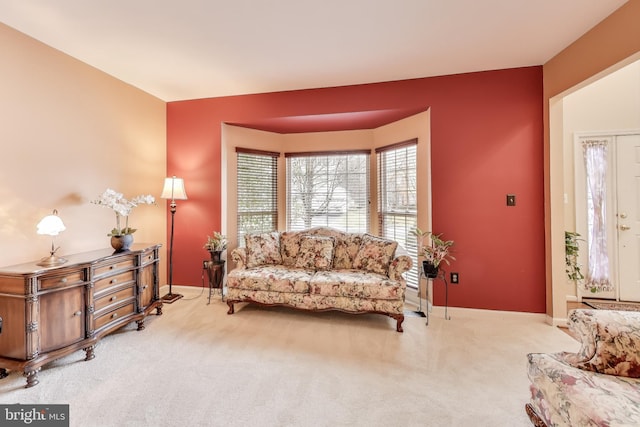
(400, 264)
(239, 257)
(610, 341)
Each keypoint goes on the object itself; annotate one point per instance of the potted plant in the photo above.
(571, 251)
(122, 237)
(215, 245)
(435, 253)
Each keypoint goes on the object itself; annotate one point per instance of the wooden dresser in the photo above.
(50, 312)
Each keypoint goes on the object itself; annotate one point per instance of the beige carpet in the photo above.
(197, 366)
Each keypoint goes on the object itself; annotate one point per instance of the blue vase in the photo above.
(122, 243)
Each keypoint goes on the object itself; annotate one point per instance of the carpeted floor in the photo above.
(197, 366)
(613, 305)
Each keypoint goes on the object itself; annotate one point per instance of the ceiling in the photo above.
(189, 49)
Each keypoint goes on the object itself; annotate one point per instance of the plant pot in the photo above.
(122, 243)
(215, 256)
(430, 270)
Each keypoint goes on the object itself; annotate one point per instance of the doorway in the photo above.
(622, 214)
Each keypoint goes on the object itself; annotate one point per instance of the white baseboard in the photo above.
(557, 321)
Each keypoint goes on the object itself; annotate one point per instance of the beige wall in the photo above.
(609, 104)
(232, 137)
(607, 47)
(417, 126)
(68, 132)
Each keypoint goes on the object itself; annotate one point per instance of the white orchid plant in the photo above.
(122, 207)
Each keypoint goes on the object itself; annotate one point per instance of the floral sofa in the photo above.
(320, 269)
(599, 385)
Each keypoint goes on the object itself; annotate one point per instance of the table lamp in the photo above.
(51, 225)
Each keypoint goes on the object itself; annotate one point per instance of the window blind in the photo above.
(328, 189)
(397, 199)
(257, 189)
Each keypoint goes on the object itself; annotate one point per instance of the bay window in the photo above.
(257, 188)
(328, 189)
(397, 198)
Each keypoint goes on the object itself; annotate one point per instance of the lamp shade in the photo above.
(51, 225)
(174, 189)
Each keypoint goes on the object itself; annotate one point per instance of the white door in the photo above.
(628, 216)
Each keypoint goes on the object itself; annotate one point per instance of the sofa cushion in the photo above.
(316, 253)
(564, 395)
(346, 249)
(263, 249)
(610, 342)
(290, 247)
(275, 278)
(375, 254)
(355, 284)
(346, 245)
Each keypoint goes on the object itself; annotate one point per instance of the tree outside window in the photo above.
(328, 189)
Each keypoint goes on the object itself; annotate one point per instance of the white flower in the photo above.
(122, 207)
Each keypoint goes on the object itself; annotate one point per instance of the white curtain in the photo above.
(595, 156)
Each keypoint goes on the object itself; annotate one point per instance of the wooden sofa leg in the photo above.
(230, 304)
(399, 319)
(534, 417)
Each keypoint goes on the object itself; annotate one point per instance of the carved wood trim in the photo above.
(534, 417)
(31, 324)
(398, 317)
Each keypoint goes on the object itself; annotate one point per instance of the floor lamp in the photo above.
(173, 189)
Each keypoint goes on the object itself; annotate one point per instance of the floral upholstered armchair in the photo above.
(599, 385)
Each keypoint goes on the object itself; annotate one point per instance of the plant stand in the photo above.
(442, 276)
(215, 271)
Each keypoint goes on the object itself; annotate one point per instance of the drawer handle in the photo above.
(114, 315)
(113, 298)
(112, 267)
(77, 313)
(63, 280)
(113, 281)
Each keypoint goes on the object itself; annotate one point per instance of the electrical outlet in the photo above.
(511, 199)
(455, 278)
(205, 265)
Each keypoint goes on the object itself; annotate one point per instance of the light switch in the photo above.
(511, 199)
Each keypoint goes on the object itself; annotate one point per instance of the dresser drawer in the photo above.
(111, 281)
(114, 316)
(114, 298)
(148, 257)
(122, 263)
(70, 278)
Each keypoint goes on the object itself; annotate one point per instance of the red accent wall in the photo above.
(487, 142)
